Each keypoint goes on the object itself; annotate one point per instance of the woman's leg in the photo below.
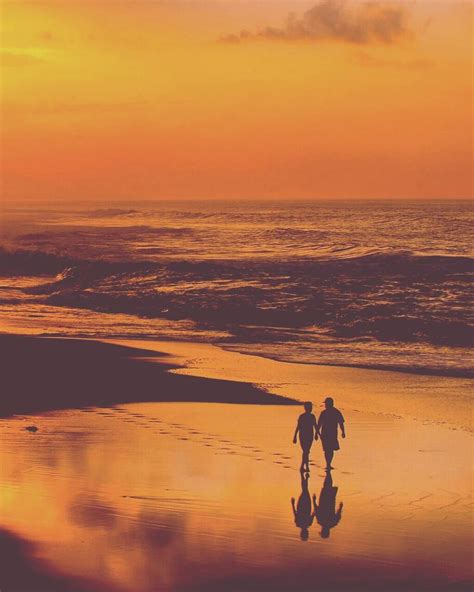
(303, 461)
(305, 455)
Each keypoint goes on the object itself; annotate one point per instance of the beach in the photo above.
(216, 218)
(170, 466)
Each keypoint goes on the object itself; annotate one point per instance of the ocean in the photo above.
(366, 284)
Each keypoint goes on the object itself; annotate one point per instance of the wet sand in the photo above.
(197, 496)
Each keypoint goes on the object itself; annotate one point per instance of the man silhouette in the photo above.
(307, 428)
(325, 512)
(328, 422)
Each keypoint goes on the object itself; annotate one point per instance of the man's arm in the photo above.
(293, 506)
(320, 422)
(341, 425)
(339, 513)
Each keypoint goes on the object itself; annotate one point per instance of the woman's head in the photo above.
(308, 406)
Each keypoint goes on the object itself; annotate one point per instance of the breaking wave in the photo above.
(386, 288)
(389, 297)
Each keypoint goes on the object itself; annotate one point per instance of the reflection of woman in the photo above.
(303, 512)
(325, 512)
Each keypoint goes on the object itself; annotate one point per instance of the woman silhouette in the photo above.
(303, 511)
(307, 428)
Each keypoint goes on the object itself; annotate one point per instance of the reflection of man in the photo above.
(303, 511)
(325, 512)
(328, 421)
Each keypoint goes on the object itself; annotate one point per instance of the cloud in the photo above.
(47, 109)
(12, 59)
(46, 36)
(369, 61)
(333, 20)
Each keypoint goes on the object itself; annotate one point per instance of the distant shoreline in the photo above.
(14, 202)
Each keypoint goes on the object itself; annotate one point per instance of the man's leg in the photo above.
(329, 454)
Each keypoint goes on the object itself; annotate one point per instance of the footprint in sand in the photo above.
(206, 439)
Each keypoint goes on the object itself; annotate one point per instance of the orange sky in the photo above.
(137, 100)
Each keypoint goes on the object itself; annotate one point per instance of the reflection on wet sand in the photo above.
(21, 572)
(183, 497)
(303, 511)
(325, 511)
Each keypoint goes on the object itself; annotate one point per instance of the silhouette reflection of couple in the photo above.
(324, 511)
(309, 429)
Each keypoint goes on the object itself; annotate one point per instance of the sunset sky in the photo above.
(108, 100)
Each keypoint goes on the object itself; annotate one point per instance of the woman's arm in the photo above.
(296, 432)
(316, 429)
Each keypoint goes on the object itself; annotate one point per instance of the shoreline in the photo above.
(467, 374)
(442, 401)
(47, 373)
(464, 373)
(128, 370)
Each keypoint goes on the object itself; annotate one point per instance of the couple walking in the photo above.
(309, 429)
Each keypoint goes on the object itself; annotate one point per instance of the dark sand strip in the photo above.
(21, 572)
(42, 374)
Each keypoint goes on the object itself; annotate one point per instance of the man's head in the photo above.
(325, 532)
(329, 402)
(308, 406)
